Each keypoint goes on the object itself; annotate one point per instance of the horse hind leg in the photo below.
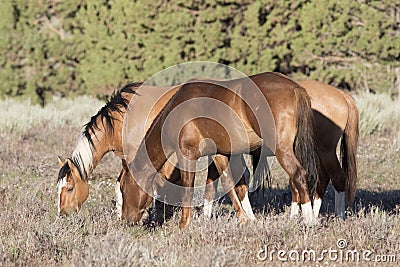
(294, 207)
(340, 198)
(338, 178)
(320, 191)
(298, 181)
(340, 204)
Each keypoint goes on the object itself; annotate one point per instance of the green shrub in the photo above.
(91, 47)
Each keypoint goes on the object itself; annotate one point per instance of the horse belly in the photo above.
(239, 144)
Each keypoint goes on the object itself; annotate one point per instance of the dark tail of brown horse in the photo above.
(348, 149)
(261, 173)
(304, 146)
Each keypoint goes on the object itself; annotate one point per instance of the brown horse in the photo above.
(292, 135)
(335, 117)
(103, 134)
(98, 138)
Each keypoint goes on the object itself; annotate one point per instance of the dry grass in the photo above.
(18, 116)
(33, 235)
(379, 113)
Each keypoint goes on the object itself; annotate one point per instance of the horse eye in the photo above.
(70, 188)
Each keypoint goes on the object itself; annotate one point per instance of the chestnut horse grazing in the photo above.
(335, 117)
(103, 134)
(240, 132)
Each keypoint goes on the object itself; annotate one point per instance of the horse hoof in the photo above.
(253, 218)
(183, 225)
(243, 220)
(310, 221)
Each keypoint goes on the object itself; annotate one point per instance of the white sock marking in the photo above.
(119, 200)
(340, 204)
(317, 207)
(247, 207)
(307, 212)
(294, 210)
(207, 209)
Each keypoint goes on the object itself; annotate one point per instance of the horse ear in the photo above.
(61, 161)
(74, 170)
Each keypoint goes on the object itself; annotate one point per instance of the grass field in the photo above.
(32, 234)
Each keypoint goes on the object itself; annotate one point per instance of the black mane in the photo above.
(64, 171)
(116, 103)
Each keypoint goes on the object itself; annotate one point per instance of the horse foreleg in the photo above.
(211, 188)
(188, 171)
(246, 205)
(338, 177)
(228, 183)
(241, 187)
(118, 196)
(188, 184)
(117, 189)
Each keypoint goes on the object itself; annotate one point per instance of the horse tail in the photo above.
(261, 170)
(348, 149)
(261, 174)
(304, 146)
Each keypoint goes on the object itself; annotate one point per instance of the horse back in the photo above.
(328, 101)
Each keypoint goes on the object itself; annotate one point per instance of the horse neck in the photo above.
(88, 154)
(83, 157)
(151, 149)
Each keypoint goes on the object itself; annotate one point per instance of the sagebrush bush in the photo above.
(379, 113)
(21, 115)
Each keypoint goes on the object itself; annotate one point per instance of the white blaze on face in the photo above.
(62, 183)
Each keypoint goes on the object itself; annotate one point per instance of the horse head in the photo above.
(135, 200)
(72, 189)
